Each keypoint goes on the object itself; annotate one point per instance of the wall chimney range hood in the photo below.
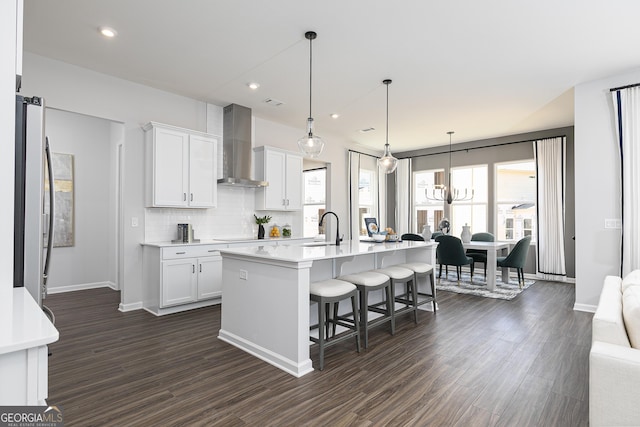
(236, 148)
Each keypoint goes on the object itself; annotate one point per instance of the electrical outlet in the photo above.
(244, 275)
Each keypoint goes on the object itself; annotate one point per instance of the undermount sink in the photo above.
(318, 244)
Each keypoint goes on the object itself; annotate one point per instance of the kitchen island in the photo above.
(265, 291)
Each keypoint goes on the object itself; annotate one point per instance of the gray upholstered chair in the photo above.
(479, 255)
(517, 258)
(451, 252)
(412, 237)
(436, 234)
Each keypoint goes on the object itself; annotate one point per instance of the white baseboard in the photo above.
(130, 307)
(81, 287)
(585, 307)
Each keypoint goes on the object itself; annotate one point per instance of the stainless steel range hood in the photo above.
(236, 148)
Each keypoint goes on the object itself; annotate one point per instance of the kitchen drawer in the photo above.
(195, 251)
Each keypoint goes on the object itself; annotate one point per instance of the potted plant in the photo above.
(261, 220)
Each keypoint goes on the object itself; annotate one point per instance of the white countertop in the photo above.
(24, 324)
(298, 252)
(222, 241)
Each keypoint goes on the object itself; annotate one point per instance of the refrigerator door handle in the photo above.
(52, 203)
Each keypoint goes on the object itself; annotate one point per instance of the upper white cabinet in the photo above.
(283, 170)
(181, 167)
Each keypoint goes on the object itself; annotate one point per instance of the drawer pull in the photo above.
(180, 253)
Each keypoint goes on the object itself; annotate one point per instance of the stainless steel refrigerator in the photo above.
(34, 199)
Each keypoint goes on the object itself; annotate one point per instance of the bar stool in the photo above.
(366, 282)
(409, 298)
(419, 269)
(326, 293)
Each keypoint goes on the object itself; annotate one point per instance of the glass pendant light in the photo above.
(387, 163)
(311, 145)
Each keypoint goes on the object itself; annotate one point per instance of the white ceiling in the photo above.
(481, 68)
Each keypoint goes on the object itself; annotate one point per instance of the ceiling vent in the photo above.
(273, 102)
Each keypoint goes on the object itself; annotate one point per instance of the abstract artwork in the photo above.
(63, 223)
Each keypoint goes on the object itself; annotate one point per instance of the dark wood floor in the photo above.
(477, 362)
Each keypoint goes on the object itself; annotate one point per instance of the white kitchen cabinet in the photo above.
(179, 282)
(181, 277)
(283, 170)
(181, 167)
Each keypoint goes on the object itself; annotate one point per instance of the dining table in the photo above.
(492, 248)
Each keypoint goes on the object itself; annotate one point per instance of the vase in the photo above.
(260, 231)
(426, 232)
(466, 234)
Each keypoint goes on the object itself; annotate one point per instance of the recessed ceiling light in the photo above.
(335, 115)
(108, 32)
(253, 85)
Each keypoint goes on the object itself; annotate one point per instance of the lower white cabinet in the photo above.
(180, 278)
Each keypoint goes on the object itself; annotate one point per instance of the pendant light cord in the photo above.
(387, 82)
(310, 72)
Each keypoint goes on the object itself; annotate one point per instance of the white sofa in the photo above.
(614, 361)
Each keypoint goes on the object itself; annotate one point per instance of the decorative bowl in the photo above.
(378, 237)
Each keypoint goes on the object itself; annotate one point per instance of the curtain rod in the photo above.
(484, 146)
(624, 87)
(366, 154)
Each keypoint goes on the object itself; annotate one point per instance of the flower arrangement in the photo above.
(262, 219)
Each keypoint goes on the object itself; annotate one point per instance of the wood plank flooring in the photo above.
(477, 362)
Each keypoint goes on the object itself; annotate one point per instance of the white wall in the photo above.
(598, 190)
(72, 88)
(90, 260)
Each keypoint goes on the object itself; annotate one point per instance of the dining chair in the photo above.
(479, 255)
(413, 237)
(436, 234)
(451, 252)
(517, 258)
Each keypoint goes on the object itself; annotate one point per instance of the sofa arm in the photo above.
(614, 385)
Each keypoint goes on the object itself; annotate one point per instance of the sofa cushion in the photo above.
(608, 324)
(631, 279)
(631, 314)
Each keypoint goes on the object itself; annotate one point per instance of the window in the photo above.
(515, 200)
(471, 212)
(315, 190)
(426, 211)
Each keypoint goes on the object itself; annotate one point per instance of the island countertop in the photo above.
(300, 252)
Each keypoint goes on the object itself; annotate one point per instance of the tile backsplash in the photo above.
(233, 218)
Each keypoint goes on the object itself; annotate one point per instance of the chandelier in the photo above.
(447, 193)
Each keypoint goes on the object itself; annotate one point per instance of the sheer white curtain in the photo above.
(550, 175)
(626, 104)
(403, 196)
(354, 204)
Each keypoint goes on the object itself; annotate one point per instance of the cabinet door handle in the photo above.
(200, 268)
(193, 268)
(287, 202)
(184, 197)
(192, 197)
(180, 253)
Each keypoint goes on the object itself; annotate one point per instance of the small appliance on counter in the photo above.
(185, 234)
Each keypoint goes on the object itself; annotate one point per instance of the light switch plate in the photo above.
(134, 221)
(612, 223)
